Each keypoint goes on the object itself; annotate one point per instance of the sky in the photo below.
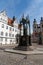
(33, 8)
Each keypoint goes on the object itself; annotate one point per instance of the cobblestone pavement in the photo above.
(17, 59)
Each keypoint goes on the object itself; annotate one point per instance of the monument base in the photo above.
(23, 48)
(24, 43)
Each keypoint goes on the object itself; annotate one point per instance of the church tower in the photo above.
(35, 30)
(34, 26)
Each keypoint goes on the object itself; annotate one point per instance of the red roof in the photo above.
(10, 21)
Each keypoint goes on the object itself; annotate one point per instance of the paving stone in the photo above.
(17, 59)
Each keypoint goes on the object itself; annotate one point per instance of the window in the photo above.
(2, 25)
(1, 39)
(5, 39)
(12, 35)
(6, 34)
(10, 40)
(1, 33)
(42, 26)
(38, 27)
(13, 29)
(34, 26)
(6, 27)
(10, 28)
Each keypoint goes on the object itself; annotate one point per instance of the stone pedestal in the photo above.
(24, 43)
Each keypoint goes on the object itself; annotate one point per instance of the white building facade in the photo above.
(7, 32)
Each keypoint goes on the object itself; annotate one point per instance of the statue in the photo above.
(25, 34)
